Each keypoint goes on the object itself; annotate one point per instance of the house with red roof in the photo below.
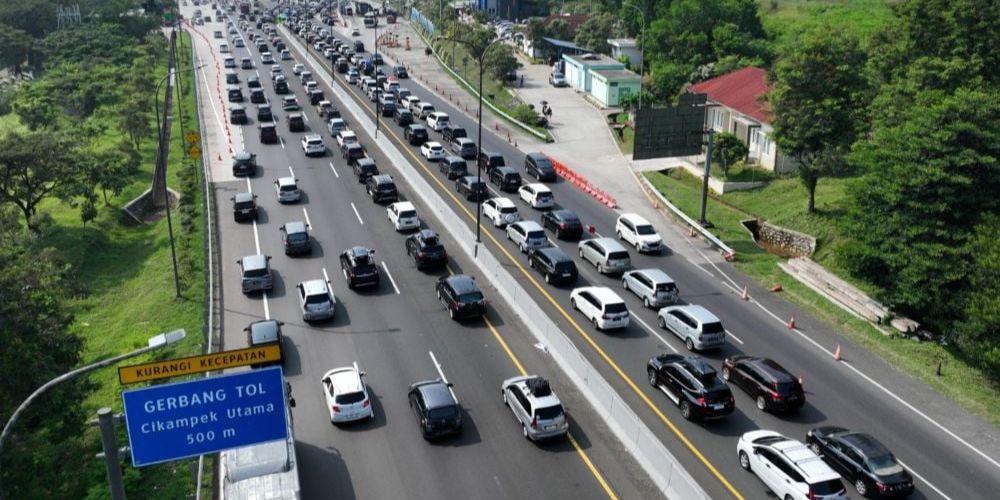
(737, 103)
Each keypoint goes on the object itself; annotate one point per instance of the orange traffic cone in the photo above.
(776, 287)
(791, 323)
(220, 157)
(745, 295)
(836, 355)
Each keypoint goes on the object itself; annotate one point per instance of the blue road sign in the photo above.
(185, 419)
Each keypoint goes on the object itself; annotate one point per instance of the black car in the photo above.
(352, 152)
(400, 72)
(235, 93)
(359, 267)
(253, 82)
(472, 187)
(450, 132)
(461, 296)
(506, 178)
(402, 116)
(244, 164)
(237, 115)
(863, 460)
(488, 161)
(415, 134)
(539, 166)
(426, 249)
(232, 78)
(295, 122)
(257, 96)
(453, 167)
(315, 96)
(268, 133)
(771, 386)
(262, 333)
(387, 106)
(295, 238)
(244, 206)
(555, 265)
(564, 223)
(692, 384)
(365, 168)
(264, 113)
(436, 409)
(381, 188)
(281, 87)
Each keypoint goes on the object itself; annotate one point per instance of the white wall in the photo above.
(599, 90)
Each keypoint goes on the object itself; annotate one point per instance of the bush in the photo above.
(527, 114)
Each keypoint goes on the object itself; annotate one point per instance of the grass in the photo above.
(783, 203)
(784, 20)
(627, 144)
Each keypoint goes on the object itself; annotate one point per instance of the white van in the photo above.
(424, 110)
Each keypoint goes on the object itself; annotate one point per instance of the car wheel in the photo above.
(572, 302)
(625, 284)
(645, 302)
(503, 396)
(619, 235)
(761, 403)
(594, 321)
(439, 293)
(689, 344)
(548, 278)
(652, 377)
(725, 373)
(581, 254)
(661, 322)
(686, 410)
(600, 268)
(451, 313)
(524, 432)
(522, 248)
(861, 487)
(744, 460)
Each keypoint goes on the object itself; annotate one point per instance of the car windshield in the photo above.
(470, 298)
(884, 465)
(240, 205)
(255, 273)
(431, 241)
(408, 214)
(508, 210)
(549, 412)
(297, 237)
(317, 299)
(565, 267)
(615, 308)
(831, 487)
(714, 327)
(443, 412)
(349, 398)
(645, 229)
(665, 287)
(617, 255)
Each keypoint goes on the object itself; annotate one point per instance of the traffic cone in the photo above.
(745, 295)
(791, 323)
(776, 287)
(836, 355)
(219, 156)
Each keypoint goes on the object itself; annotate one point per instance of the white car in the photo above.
(336, 125)
(346, 394)
(298, 69)
(788, 468)
(352, 77)
(437, 120)
(403, 216)
(601, 305)
(638, 232)
(537, 195)
(287, 190)
(275, 71)
(316, 300)
(312, 145)
(501, 211)
(286, 55)
(433, 151)
(346, 137)
(267, 58)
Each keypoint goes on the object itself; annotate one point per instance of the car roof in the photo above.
(364, 162)
(265, 330)
(381, 179)
(435, 394)
(634, 218)
(537, 187)
(503, 201)
(565, 214)
(462, 283)
(609, 244)
(358, 251)
(464, 140)
(504, 169)
(528, 225)
(602, 293)
(243, 197)
(416, 126)
(242, 155)
(257, 261)
(805, 459)
(345, 380)
(295, 227)
(655, 275)
(545, 401)
(424, 234)
(699, 313)
(432, 144)
(313, 287)
(772, 369)
(404, 205)
(537, 156)
(286, 181)
(869, 446)
(555, 254)
(454, 159)
(313, 137)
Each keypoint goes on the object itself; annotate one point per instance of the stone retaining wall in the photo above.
(788, 242)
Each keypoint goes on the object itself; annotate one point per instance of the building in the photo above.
(504, 9)
(609, 86)
(738, 105)
(578, 68)
(626, 47)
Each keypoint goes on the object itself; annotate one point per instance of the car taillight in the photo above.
(366, 404)
(774, 395)
(563, 225)
(335, 408)
(455, 306)
(701, 401)
(534, 423)
(810, 495)
(420, 254)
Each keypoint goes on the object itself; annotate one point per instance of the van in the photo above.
(636, 230)
(424, 109)
(255, 273)
(506, 178)
(653, 286)
(606, 254)
(601, 305)
(489, 160)
(527, 235)
(465, 147)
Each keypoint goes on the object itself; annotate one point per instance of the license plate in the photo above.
(718, 406)
(567, 275)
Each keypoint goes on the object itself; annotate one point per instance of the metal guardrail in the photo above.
(727, 252)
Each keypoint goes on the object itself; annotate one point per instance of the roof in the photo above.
(741, 90)
(555, 254)
(594, 60)
(462, 283)
(345, 379)
(528, 225)
(436, 394)
(312, 287)
(265, 330)
(617, 74)
(622, 42)
(295, 227)
(609, 244)
(243, 197)
(656, 275)
(565, 44)
(603, 293)
(257, 261)
(699, 313)
(869, 446)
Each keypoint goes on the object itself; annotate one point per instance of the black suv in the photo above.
(257, 96)
(281, 87)
(506, 178)
(237, 115)
(426, 249)
(436, 409)
(253, 82)
(764, 380)
(564, 223)
(235, 93)
(262, 333)
(244, 207)
(295, 122)
(472, 187)
(556, 265)
(861, 459)
(315, 96)
(488, 161)
(264, 113)
(461, 296)
(365, 168)
(450, 132)
(268, 133)
(400, 72)
(539, 166)
(244, 164)
(359, 267)
(415, 134)
(693, 384)
(453, 167)
(402, 116)
(295, 238)
(381, 188)
(232, 78)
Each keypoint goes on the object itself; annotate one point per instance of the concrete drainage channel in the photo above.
(665, 471)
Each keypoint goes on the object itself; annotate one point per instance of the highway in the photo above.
(925, 431)
(399, 333)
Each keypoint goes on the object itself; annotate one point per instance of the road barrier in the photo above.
(728, 253)
(581, 182)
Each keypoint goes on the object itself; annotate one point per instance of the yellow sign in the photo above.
(194, 152)
(196, 364)
(191, 137)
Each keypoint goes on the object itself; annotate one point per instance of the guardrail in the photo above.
(727, 252)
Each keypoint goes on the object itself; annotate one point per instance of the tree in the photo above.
(817, 102)
(978, 329)
(500, 61)
(110, 170)
(594, 33)
(17, 46)
(727, 149)
(36, 166)
(134, 123)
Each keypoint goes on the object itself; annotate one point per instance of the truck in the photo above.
(266, 470)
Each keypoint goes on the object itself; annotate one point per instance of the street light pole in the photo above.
(642, 46)
(156, 342)
(375, 69)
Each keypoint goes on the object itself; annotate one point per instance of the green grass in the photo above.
(783, 203)
(791, 17)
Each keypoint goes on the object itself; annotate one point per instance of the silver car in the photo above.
(535, 406)
(316, 300)
(606, 254)
(653, 286)
(695, 325)
(527, 235)
(255, 273)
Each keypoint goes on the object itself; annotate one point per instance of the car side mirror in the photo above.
(281, 323)
(232, 198)
(239, 261)
(291, 402)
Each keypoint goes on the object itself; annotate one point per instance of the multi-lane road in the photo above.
(391, 336)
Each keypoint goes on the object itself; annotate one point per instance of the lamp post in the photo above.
(114, 470)
(642, 45)
(375, 69)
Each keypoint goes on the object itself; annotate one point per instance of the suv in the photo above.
(788, 468)
(764, 380)
(268, 133)
(436, 408)
(253, 82)
(336, 125)
(352, 152)
(453, 167)
(535, 406)
(653, 286)
(316, 300)
(287, 189)
(692, 384)
(238, 115)
(358, 266)
(381, 188)
(403, 216)
(471, 187)
(539, 165)
(500, 211)
(281, 87)
(232, 78)
(564, 223)
(527, 235)
(637, 231)
(235, 93)
(255, 273)
(426, 249)
(451, 132)
(488, 161)
(403, 117)
(464, 147)
(555, 265)
(312, 145)
(244, 164)
(264, 113)
(295, 238)
(295, 122)
(262, 333)
(365, 168)
(695, 325)
(861, 459)
(257, 96)
(437, 120)
(602, 306)
(606, 254)
(537, 195)
(461, 296)
(506, 178)
(415, 134)
(244, 206)
(347, 395)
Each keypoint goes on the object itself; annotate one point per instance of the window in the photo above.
(717, 118)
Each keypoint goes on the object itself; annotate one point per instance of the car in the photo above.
(437, 120)
(535, 406)
(353, 152)
(638, 232)
(536, 195)
(606, 254)
(426, 250)
(232, 78)
(381, 188)
(556, 266)
(347, 395)
(489, 160)
(295, 121)
(563, 223)
(412, 103)
(290, 103)
(527, 235)
(769, 384)
(237, 115)
(400, 72)
(653, 286)
(472, 187)
(500, 211)
(281, 86)
(246, 63)
(788, 467)
(316, 300)
(461, 296)
(264, 113)
(464, 147)
(403, 216)
(255, 273)
(257, 96)
(416, 134)
(295, 238)
(326, 110)
(352, 76)
(601, 306)
(402, 117)
(217, 34)
(539, 166)
(387, 106)
(263, 333)
(253, 82)
(862, 460)
(453, 167)
(298, 68)
(276, 71)
(316, 96)
(305, 76)
(268, 133)
(244, 164)
(692, 384)
(234, 93)
(355, 31)
(266, 58)
(557, 79)
(365, 168)
(358, 267)
(312, 145)
(285, 54)
(336, 125)
(346, 137)
(287, 190)
(436, 408)
(432, 150)
(693, 324)
(424, 109)
(451, 131)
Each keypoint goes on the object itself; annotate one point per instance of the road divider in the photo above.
(581, 182)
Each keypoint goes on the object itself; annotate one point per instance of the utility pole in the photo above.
(704, 184)
(109, 441)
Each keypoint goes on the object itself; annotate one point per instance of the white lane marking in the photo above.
(441, 373)
(256, 238)
(282, 142)
(334, 170)
(306, 214)
(326, 276)
(290, 171)
(387, 273)
(357, 214)
(650, 330)
(267, 310)
(918, 476)
(734, 337)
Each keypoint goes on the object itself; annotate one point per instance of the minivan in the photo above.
(695, 325)
(506, 178)
(255, 273)
(539, 166)
(453, 166)
(555, 265)
(606, 254)
(601, 305)
(424, 109)
(465, 147)
(653, 286)
(636, 230)
(527, 235)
